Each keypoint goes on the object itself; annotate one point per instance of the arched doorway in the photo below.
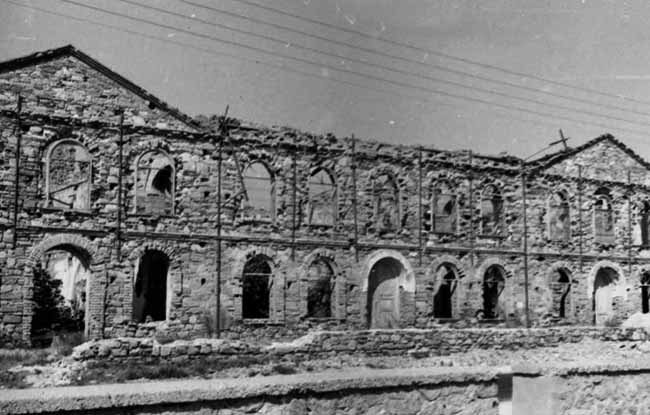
(560, 286)
(494, 282)
(60, 287)
(603, 294)
(444, 298)
(383, 294)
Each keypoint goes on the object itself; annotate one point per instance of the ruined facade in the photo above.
(314, 231)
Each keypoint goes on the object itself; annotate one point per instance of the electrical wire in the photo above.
(396, 57)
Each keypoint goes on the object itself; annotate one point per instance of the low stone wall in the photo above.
(368, 391)
(419, 343)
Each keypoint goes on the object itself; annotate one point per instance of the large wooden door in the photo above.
(383, 298)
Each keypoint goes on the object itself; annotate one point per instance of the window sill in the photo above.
(489, 236)
(150, 216)
(84, 212)
(260, 322)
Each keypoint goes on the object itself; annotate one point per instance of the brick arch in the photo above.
(163, 247)
(459, 270)
(94, 287)
(406, 279)
(487, 263)
(556, 266)
(620, 284)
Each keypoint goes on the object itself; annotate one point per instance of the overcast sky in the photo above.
(600, 45)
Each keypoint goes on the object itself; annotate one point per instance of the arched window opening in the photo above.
(154, 190)
(259, 192)
(150, 289)
(321, 286)
(443, 301)
(493, 285)
(559, 224)
(644, 224)
(491, 211)
(68, 176)
(443, 206)
(645, 292)
(386, 204)
(256, 288)
(322, 199)
(603, 217)
(561, 292)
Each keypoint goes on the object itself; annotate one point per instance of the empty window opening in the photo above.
(644, 222)
(558, 217)
(154, 191)
(443, 206)
(383, 294)
(259, 192)
(68, 176)
(493, 285)
(645, 292)
(320, 288)
(322, 199)
(603, 217)
(150, 290)
(491, 211)
(443, 301)
(561, 292)
(60, 282)
(603, 295)
(256, 288)
(386, 204)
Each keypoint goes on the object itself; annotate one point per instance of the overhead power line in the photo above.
(388, 92)
(387, 68)
(365, 76)
(400, 58)
(442, 54)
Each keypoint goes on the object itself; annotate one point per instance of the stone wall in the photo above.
(418, 343)
(69, 99)
(393, 392)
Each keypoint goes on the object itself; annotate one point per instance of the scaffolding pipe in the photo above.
(580, 218)
(118, 229)
(629, 222)
(19, 136)
(218, 287)
(294, 200)
(471, 209)
(420, 247)
(525, 237)
(354, 200)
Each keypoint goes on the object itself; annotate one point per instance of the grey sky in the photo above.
(600, 44)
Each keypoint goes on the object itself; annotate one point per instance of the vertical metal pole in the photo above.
(629, 222)
(580, 258)
(523, 195)
(294, 200)
(471, 209)
(118, 230)
(218, 287)
(354, 200)
(19, 136)
(420, 247)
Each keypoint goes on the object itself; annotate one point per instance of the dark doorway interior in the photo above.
(150, 291)
(443, 301)
(256, 288)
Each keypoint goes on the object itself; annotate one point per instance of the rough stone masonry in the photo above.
(301, 230)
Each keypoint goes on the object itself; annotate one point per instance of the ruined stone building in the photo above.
(116, 194)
